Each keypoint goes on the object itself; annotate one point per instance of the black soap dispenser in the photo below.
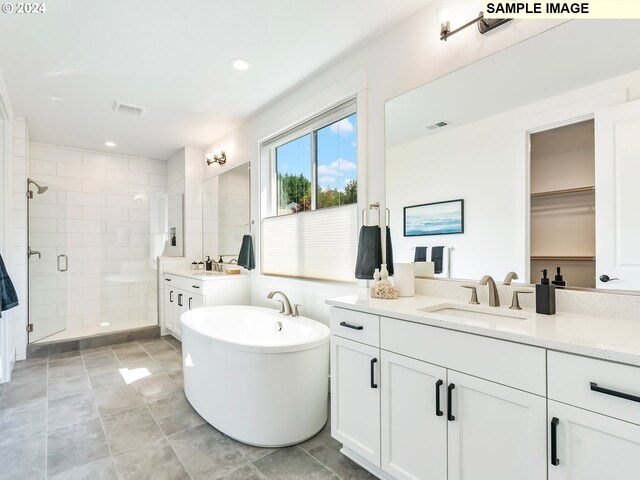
(559, 281)
(545, 296)
(208, 264)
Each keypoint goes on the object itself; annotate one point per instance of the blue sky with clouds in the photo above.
(337, 161)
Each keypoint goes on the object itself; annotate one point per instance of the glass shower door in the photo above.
(48, 261)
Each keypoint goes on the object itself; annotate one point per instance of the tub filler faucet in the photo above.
(285, 305)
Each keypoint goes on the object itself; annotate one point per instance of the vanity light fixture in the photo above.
(484, 25)
(220, 159)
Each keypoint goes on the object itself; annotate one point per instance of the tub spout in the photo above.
(286, 305)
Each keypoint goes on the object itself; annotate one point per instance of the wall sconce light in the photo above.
(220, 159)
(484, 25)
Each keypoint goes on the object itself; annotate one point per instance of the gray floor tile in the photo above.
(93, 350)
(65, 365)
(156, 346)
(169, 360)
(246, 472)
(206, 453)
(24, 459)
(175, 414)
(68, 383)
(72, 409)
(129, 351)
(30, 363)
(100, 470)
(156, 387)
(174, 342)
(75, 446)
(100, 358)
(58, 356)
(177, 376)
(23, 422)
(292, 463)
(140, 367)
(131, 429)
(326, 450)
(101, 376)
(113, 398)
(19, 393)
(251, 452)
(155, 461)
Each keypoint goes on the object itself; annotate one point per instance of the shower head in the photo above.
(40, 189)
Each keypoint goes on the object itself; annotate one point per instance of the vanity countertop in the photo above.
(203, 274)
(594, 336)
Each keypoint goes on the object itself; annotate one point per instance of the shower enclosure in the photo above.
(92, 268)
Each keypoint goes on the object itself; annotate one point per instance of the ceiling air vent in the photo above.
(129, 109)
(436, 125)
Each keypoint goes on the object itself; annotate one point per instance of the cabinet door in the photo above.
(590, 446)
(170, 302)
(495, 432)
(355, 397)
(414, 425)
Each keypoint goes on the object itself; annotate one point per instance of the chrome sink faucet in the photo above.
(494, 298)
(285, 305)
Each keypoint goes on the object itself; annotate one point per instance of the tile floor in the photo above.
(119, 412)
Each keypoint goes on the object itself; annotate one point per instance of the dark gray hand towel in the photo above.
(389, 253)
(369, 252)
(436, 258)
(8, 296)
(421, 254)
(245, 257)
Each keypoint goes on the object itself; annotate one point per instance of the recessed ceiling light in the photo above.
(110, 144)
(239, 63)
(56, 99)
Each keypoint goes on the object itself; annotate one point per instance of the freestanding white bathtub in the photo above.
(258, 376)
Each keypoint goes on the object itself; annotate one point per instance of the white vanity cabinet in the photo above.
(594, 418)
(436, 422)
(355, 394)
(184, 292)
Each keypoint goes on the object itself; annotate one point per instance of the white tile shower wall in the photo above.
(233, 211)
(19, 234)
(210, 224)
(193, 161)
(111, 236)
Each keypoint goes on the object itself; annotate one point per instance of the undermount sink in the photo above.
(474, 312)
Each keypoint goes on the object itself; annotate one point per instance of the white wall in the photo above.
(109, 235)
(7, 322)
(403, 58)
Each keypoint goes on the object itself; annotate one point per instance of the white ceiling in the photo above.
(173, 58)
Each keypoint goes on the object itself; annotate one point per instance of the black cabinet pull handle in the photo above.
(373, 373)
(190, 298)
(614, 393)
(167, 279)
(195, 286)
(554, 442)
(348, 325)
(180, 299)
(438, 411)
(450, 388)
(171, 296)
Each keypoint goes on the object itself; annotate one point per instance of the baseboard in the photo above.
(38, 350)
(366, 464)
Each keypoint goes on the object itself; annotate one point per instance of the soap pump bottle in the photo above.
(559, 281)
(208, 264)
(545, 296)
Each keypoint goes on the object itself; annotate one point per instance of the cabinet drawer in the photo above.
(190, 285)
(597, 385)
(518, 366)
(358, 326)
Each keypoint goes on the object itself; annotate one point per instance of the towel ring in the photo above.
(376, 206)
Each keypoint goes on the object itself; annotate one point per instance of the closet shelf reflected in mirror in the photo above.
(565, 191)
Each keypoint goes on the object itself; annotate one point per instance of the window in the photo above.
(318, 169)
(310, 229)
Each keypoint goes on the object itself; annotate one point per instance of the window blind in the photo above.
(319, 244)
